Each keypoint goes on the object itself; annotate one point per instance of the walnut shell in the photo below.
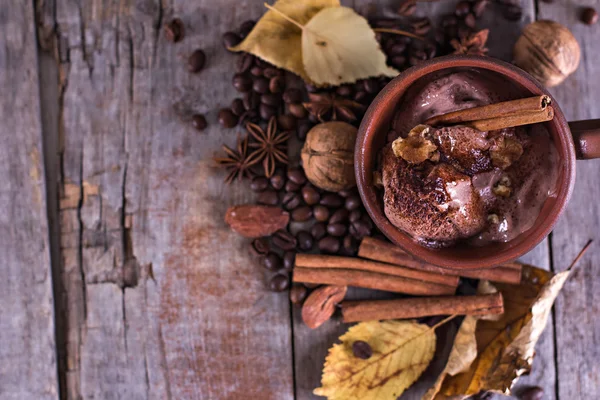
(548, 51)
(328, 156)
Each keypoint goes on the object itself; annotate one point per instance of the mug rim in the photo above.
(364, 149)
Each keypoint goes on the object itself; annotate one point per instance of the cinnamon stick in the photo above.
(378, 250)
(520, 106)
(510, 121)
(319, 261)
(370, 280)
(369, 310)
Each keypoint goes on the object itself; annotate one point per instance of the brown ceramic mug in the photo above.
(580, 139)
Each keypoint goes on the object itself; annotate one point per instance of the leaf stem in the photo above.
(399, 32)
(287, 18)
(442, 322)
(581, 253)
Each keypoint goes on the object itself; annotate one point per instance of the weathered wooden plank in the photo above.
(577, 315)
(162, 299)
(27, 355)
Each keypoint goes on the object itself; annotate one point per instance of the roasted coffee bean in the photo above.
(246, 27)
(305, 240)
(462, 8)
(286, 122)
(430, 49)
(199, 122)
(266, 112)
(344, 90)
(241, 82)
(470, 21)
(338, 216)
(361, 96)
(196, 61)
(407, 8)
(291, 186)
(284, 240)
(276, 84)
(289, 258)
(332, 200)
(272, 262)
(268, 197)
(310, 195)
(318, 230)
(589, 16)
(371, 86)
(248, 116)
(227, 118)
(417, 56)
(291, 200)
(346, 192)
(292, 95)
(329, 244)
(301, 214)
(336, 229)
(251, 100)
(298, 293)
(279, 283)
(397, 49)
(349, 245)
(259, 247)
(270, 99)
(231, 39)
(513, 12)
(174, 30)
(244, 62)
(259, 184)
(532, 393)
(261, 85)
(479, 7)
(262, 63)
(237, 107)
(271, 72)
(362, 350)
(302, 129)
(321, 213)
(354, 216)
(296, 175)
(385, 23)
(256, 71)
(277, 181)
(421, 26)
(311, 88)
(297, 110)
(352, 202)
(398, 61)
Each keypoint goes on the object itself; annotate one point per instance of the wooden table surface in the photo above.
(120, 278)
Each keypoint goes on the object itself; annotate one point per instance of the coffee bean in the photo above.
(227, 118)
(266, 112)
(241, 82)
(259, 247)
(310, 195)
(398, 61)
(360, 229)
(244, 62)
(479, 7)
(298, 293)
(318, 230)
(305, 240)
(336, 229)
(251, 100)
(332, 200)
(397, 49)
(261, 85)
(174, 30)
(417, 56)
(246, 27)
(349, 245)
(289, 258)
(353, 202)
(361, 96)
(292, 95)
(262, 63)
(277, 181)
(268, 197)
(291, 186)
(291, 200)
(271, 72)
(338, 216)
(297, 110)
(344, 90)
(407, 8)
(362, 350)
(513, 12)
(248, 116)
(279, 283)
(270, 99)
(302, 129)
(355, 215)
(259, 184)
(321, 213)
(346, 192)
(470, 21)
(196, 61)
(589, 16)
(276, 84)
(462, 9)
(256, 71)
(231, 39)
(199, 122)
(329, 244)
(286, 122)
(301, 214)
(311, 88)
(385, 23)
(371, 86)
(272, 262)
(421, 26)
(296, 175)
(237, 107)
(532, 393)
(284, 240)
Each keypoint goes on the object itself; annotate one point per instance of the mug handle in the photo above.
(586, 135)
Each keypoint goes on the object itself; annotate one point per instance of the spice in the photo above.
(329, 107)
(270, 145)
(320, 305)
(473, 44)
(254, 221)
(239, 162)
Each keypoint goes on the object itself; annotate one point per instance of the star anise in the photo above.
(270, 145)
(473, 43)
(328, 106)
(239, 162)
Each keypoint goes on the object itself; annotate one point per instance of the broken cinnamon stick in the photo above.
(370, 310)
(370, 280)
(378, 250)
(520, 106)
(320, 261)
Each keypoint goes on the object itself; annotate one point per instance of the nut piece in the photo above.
(320, 305)
(505, 152)
(415, 148)
(502, 188)
(493, 219)
(254, 220)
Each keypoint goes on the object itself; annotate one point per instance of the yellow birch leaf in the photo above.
(402, 350)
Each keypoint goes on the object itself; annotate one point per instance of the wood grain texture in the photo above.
(161, 300)
(27, 354)
(577, 313)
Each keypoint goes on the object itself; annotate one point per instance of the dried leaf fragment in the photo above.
(319, 306)
(417, 147)
(254, 220)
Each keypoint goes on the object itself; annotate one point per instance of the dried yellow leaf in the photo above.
(402, 350)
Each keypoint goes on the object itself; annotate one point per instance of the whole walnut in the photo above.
(328, 156)
(548, 51)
